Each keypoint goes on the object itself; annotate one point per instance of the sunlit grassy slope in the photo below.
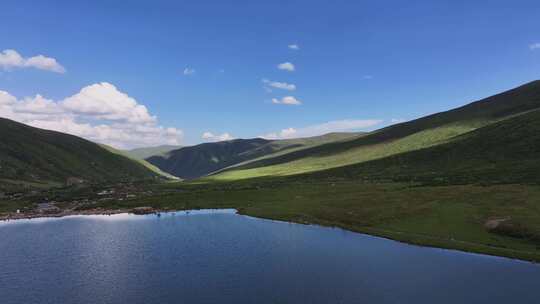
(418, 134)
(200, 160)
(506, 151)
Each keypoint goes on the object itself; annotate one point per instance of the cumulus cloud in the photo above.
(535, 46)
(209, 136)
(278, 85)
(324, 128)
(287, 100)
(294, 47)
(286, 66)
(105, 101)
(99, 112)
(189, 71)
(10, 59)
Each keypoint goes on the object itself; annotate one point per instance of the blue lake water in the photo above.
(221, 257)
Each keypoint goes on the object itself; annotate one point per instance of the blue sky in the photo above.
(359, 64)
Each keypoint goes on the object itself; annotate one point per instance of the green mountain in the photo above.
(200, 160)
(507, 151)
(429, 131)
(143, 162)
(146, 152)
(35, 157)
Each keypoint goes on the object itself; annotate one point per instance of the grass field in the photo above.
(441, 216)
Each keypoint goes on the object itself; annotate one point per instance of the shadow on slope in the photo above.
(417, 134)
(507, 151)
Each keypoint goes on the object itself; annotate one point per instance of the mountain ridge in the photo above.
(196, 161)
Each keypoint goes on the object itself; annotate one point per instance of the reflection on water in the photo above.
(217, 256)
(118, 216)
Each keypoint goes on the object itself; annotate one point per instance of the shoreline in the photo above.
(28, 216)
(397, 236)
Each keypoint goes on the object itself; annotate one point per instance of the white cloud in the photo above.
(6, 98)
(397, 120)
(99, 112)
(10, 59)
(287, 100)
(189, 71)
(105, 101)
(535, 46)
(294, 47)
(209, 136)
(324, 128)
(279, 85)
(283, 134)
(286, 66)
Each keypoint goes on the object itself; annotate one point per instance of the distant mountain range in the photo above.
(201, 160)
(143, 153)
(492, 140)
(136, 156)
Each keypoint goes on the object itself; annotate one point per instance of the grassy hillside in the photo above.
(507, 151)
(143, 162)
(400, 138)
(36, 157)
(200, 160)
(143, 153)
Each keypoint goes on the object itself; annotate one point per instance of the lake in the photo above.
(221, 257)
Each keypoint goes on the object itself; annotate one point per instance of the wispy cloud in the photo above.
(534, 46)
(367, 77)
(279, 85)
(189, 71)
(99, 112)
(286, 66)
(287, 100)
(324, 128)
(10, 59)
(209, 136)
(294, 47)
